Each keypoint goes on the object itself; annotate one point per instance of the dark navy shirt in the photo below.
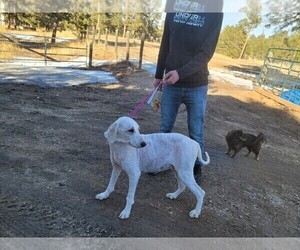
(188, 43)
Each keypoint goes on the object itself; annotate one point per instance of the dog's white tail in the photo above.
(200, 156)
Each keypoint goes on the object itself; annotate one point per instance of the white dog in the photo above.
(135, 153)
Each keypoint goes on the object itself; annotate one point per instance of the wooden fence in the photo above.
(115, 47)
(33, 48)
(97, 46)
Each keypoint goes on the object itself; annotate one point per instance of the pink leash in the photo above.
(142, 103)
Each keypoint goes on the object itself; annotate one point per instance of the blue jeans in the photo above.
(195, 100)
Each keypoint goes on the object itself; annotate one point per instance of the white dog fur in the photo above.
(135, 153)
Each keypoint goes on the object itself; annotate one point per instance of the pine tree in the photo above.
(284, 14)
(253, 13)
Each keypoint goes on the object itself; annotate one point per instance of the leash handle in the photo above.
(143, 102)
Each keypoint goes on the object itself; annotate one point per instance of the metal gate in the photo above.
(32, 48)
(280, 73)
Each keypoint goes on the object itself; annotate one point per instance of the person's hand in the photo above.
(171, 77)
(156, 82)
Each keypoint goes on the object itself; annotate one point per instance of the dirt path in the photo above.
(54, 159)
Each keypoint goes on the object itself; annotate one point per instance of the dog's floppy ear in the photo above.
(111, 133)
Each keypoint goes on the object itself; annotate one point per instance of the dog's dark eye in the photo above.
(131, 130)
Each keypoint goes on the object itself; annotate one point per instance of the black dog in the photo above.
(234, 141)
(254, 146)
(237, 139)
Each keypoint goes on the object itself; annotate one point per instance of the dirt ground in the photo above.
(54, 160)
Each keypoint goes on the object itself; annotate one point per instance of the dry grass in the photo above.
(9, 51)
(39, 32)
(102, 52)
(65, 51)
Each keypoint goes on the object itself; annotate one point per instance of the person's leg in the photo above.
(170, 103)
(195, 100)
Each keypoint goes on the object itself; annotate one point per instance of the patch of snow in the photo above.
(148, 66)
(55, 74)
(216, 74)
(228, 76)
(37, 38)
(62, 74)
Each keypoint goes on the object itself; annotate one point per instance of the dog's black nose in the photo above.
(143, 144)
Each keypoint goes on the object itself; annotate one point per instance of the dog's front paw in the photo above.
(194, 213)
(171, 196)
(102, 196)
(124, 214)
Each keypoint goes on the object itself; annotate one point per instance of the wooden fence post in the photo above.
(87, 33)
(45, 48)
(94, 34)
(116, 43)
(127, 45)
(99, 36)
(106, 37)
(142, 50)
(90, 55)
